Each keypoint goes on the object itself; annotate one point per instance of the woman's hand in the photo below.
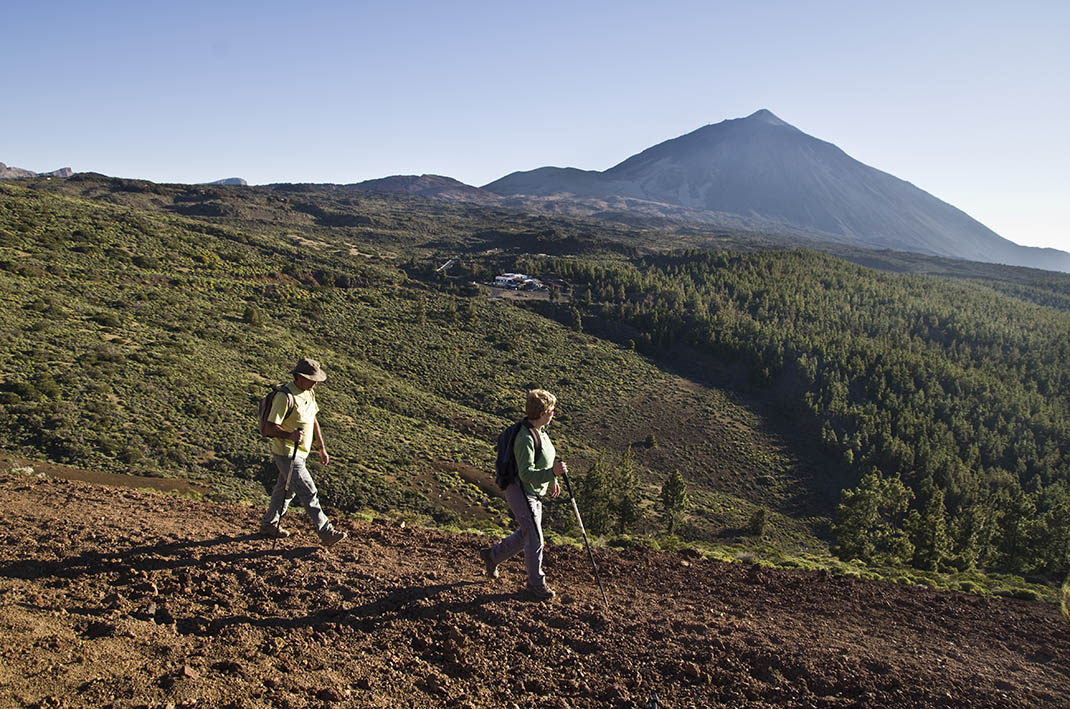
(560, 468)
(555, 491)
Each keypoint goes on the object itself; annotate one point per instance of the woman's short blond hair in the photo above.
(539, 402)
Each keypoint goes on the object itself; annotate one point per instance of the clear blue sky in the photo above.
(968, 100)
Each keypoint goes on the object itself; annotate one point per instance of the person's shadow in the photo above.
(166, 555)
(399, 604)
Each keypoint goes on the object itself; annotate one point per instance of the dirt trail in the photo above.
(113, 596)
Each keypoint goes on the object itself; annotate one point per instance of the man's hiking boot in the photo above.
(540, 593)
(329, 539)
(269, 531)
(490, 566)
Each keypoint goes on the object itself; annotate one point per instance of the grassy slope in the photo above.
(138, 318)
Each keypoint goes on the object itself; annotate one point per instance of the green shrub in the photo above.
(23, 391)
(757, 522)
(669, 542)
(131, 455)
(445, 517)
(107, 319)
(253, 316)
(1022, 594)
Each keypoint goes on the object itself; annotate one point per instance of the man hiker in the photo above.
(292, 423)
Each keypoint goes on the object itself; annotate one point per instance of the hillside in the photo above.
(129, 307)
(179, 604)
(145, 321)
(762, 173)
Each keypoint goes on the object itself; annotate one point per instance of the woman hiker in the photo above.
(537, 472)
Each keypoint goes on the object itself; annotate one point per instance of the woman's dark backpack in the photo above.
(505, 471)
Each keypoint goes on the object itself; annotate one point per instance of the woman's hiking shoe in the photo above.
(540, 593)
(329, 539)
(272, 532)
(489, 565)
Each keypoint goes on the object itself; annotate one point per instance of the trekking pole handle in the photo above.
(568, 484)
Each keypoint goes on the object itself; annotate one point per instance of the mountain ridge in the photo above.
(9, 172)
(765, 170)
(235, 181)
(755, 174)
(433, 186)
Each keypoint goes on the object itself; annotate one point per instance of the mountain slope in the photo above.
(769, 172)
(433, 186)
(179, 605)
(421, 381)
(7, 172)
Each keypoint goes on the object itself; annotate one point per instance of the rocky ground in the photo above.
(117, 596)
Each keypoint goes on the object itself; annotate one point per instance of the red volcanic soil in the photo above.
(123, 597)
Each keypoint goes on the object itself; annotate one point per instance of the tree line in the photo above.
(947, 400)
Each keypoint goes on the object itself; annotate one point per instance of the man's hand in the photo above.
(324, 458)
(295, 436)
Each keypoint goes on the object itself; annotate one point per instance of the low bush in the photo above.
(1022, 594)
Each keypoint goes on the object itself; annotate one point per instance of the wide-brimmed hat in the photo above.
(309, 369)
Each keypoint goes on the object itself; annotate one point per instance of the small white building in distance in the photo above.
(517, 281)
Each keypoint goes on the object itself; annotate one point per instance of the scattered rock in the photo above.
(163, 616)
(330, 695)
(415, 629)
(536, 685)
(229, 667)
(100, 629)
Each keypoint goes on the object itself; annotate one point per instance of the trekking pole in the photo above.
(285, 492)
(586, 541)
